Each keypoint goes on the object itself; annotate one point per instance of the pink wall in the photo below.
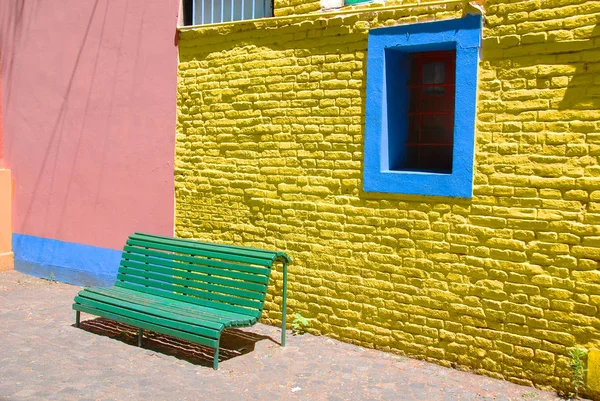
(89, 97)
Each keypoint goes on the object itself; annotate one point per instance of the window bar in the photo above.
(222, 10)
(212, 11)
(232, 8)
(193, 13)
(428, 144)
(431, 113)
(253, 8)
(202, 10)
(430, 85)
(242, 16)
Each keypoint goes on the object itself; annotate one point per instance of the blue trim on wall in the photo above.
(397, 98)
(464, 35)
(65, 261)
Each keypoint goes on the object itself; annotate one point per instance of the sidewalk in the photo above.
(43, 356)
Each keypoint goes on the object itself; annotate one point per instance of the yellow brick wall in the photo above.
(299, 7)
(269, 153)
(295, 7)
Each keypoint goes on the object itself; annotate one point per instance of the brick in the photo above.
(270, 144)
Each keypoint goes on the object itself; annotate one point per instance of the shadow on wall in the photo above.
(14, 23)
(583, 91)
(76, 90)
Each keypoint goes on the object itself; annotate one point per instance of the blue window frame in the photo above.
(388, 105)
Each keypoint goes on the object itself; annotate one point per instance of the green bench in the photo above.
(187, 289)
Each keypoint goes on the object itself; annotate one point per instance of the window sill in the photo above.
(420, 183)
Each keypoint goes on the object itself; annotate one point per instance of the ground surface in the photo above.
(43, 356)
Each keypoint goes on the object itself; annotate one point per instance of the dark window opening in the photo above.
(188, 11)
(430, 136)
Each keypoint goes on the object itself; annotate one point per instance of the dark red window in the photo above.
(431, 111)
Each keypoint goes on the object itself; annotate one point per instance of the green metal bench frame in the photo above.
(187, 289)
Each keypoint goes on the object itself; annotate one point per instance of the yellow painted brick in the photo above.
(273, 138)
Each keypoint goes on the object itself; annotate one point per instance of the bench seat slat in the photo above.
(150, 306)
(209, 342)
(148, 271)
(199, 252)
(190, 291)
(150, 315)
(198, 266)
(187, 298)
(231, 250)
(227, 318)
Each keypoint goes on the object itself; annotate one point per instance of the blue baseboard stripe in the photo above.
(65, 261)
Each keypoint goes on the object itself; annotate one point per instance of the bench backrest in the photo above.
(225, 277)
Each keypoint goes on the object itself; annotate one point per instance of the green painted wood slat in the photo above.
(224, 248)
(148, 326)
(187, 298)
(200, 267)
(191, 291)
(225, 317)
(151, 309)
(130, 268)
(149, 316)
(200, 252)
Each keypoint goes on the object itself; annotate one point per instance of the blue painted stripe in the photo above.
(65, 261)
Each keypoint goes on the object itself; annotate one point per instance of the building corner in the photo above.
(6, 252)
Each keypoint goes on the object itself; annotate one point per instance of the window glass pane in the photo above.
(215, 11)
(429, 140)
(434, 73)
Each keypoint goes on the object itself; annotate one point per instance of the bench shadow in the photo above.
(234, 342)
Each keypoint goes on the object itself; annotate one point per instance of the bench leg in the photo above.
(283, 306)
(216, 359)
(77, 318)
(140, 336)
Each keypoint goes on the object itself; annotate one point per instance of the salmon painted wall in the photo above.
(1, 147)
(6, 254)
(89, 95)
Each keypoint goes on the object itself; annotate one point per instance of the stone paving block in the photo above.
(45, 357)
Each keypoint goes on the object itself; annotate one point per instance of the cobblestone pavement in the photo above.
(43, 356)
